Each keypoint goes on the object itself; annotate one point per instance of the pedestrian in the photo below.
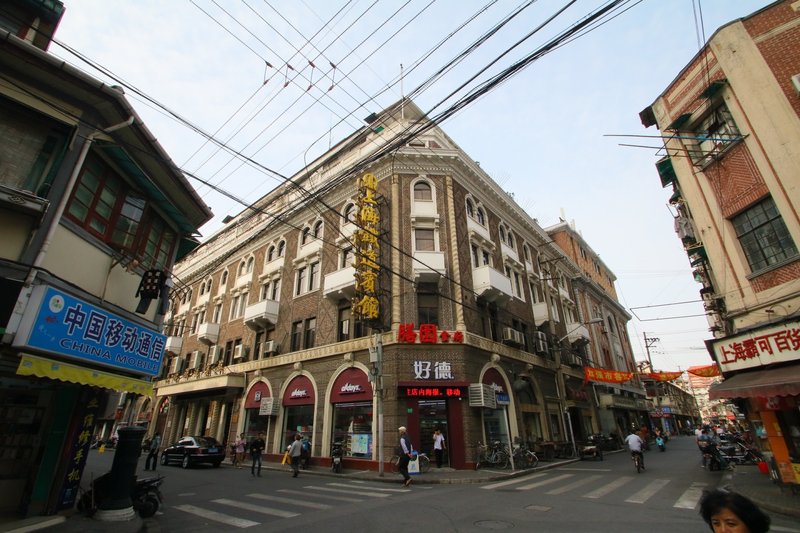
(438, 447)
(152, 454)
(635, 445)
(256, 448)
(729, 512)
(295, 451)
(406, 450)
(238, 448)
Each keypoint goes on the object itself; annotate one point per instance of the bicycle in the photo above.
(424, 463)
(637, 461)
(497, 456)
(524, 457)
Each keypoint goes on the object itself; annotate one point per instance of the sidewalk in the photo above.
(749, 482)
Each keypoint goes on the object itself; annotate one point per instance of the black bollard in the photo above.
(121, 478)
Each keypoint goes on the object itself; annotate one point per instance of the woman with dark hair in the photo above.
(729, 512)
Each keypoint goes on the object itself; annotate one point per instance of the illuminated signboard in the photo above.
(367, 250)
(428, 334)
(766, 346)
(70, 327)
(431, 392)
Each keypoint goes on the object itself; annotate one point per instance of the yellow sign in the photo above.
(367, 250)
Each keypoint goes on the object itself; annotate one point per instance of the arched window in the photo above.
(281, 248)
(250, 263)
(318, 230)
(306, 235)
(202, 288)
(270, 253)
(349, 213)
(503, 233)
(209, 284)
(224, 280)
(242, 267)
(481, 217)
(470, 209)
(526, 252)
(422, 191)
(510, 239)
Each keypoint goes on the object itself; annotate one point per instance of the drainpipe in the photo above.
(62, 205)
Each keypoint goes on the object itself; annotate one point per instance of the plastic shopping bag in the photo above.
(413, 467)
(285, 459)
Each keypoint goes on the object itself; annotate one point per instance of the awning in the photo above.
(713, 88)
(666, 171)
(678, 122)
(783, 381)
(31, 365)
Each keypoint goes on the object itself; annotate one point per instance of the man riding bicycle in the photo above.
(635, 445)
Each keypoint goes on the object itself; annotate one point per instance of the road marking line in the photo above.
(574, 485)
(511, 482)
(689, 499)
(614, 485)
(291, 501)
(216, 517)
(335, 498)
(648, 492)
(545, 482)
(346, 485)
(256, 508)
(340, 491)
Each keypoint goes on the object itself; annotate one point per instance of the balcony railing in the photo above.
(261, 314)
(208, 333)
(491, 284)
(577, 331)
(428, 266)
(340, 284)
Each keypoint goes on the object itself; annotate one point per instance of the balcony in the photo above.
(509, 253)
(340, 284)
(478, 231)
(312, 248)
(577, 331)
(174, 345)
(272, 267)
(208, 333)
(491, 285)
(428, 266)
(539, 313)
(261, 314)
(424, 209)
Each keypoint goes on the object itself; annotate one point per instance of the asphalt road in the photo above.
(587, 496)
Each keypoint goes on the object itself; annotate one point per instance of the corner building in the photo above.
(731, 124)
(476, 308)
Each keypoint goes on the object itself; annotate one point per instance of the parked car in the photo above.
(194, 450)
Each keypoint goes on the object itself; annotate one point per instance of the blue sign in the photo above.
(67, 326)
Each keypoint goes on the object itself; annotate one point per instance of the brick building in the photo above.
(470, 300)
(731, 127)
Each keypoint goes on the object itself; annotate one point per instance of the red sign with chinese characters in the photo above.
(428, 334)
(603, 375)
(765, 346)
(421, 391)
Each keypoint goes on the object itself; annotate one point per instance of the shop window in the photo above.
(763, 235)
(352, 426)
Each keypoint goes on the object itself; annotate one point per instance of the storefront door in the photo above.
(433, 416)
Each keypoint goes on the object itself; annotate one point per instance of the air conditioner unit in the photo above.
(214, 355)
(482, 395)
(269, 348)
(541, 343)
(796, 82)
(176, 367)
(513, 337)
(238, 352)
(195, 359)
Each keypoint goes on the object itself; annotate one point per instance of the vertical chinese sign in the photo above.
(78, 442)
(367, 251)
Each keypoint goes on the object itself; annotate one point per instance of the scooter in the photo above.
(337, 453)
(739, 453)
(145, 497)
(660, 443)
(592, 448)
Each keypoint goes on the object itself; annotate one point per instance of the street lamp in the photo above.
(560, 381)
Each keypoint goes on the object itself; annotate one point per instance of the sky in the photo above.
(279, 81)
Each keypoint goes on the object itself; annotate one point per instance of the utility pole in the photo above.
(648, 343)
(376, 358)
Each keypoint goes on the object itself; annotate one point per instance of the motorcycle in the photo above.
(660, 443)
(145, 496)
(737, 452)
(337, 453)
(593, 448)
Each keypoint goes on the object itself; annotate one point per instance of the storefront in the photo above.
(496, 425)
(258, 410)
(352, 401)
(579, 410)
(299, 400)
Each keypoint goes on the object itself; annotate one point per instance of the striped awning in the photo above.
(32, 365)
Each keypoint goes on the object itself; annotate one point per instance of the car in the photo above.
(194, 450)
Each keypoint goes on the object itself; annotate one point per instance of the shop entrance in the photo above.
(433, 416)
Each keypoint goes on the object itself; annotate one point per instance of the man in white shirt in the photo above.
(635, 445)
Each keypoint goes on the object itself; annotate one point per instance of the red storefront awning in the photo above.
(784, 381)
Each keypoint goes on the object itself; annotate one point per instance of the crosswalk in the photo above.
(606, 487)
(286, 503)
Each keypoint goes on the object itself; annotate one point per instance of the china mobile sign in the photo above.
(765, 346)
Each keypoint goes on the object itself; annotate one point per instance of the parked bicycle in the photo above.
(424, 463)
(496, 456)
(524, 457)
